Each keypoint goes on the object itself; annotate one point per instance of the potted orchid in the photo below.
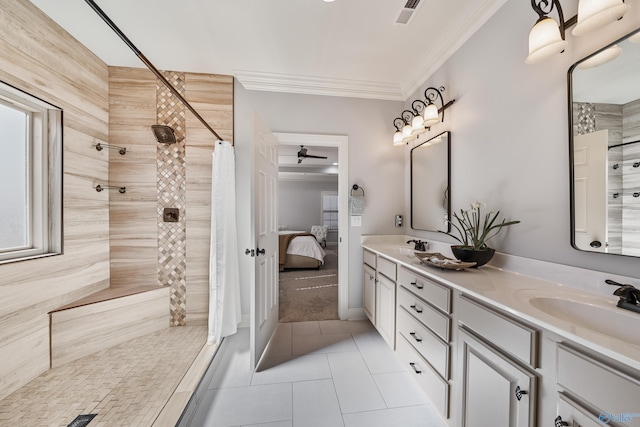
(474, 230)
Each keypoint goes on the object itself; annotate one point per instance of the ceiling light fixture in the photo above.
(421, 116)
(547, 37)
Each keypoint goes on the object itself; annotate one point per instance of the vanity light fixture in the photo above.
(601, 58)
(547, 37)
(422, 115)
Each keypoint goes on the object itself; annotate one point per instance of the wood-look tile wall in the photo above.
(133, 216)
(37, 56)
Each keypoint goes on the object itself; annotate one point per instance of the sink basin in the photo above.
(601, 316)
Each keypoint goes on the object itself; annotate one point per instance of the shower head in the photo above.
(164, 134)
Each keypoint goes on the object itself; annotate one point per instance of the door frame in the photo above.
(342, 143)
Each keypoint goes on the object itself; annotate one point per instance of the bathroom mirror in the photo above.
(604, 123)
(430, 178)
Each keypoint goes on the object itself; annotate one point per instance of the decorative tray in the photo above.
(436, 259)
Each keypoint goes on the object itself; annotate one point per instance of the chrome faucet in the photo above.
(629, 296)
(419, 245)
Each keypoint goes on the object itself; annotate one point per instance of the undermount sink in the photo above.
(598, 316)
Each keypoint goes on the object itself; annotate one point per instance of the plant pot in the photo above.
(468, 254)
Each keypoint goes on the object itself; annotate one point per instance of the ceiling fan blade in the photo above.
(315, 157)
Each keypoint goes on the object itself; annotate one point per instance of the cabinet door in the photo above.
(369, 293)
(386, 309)
(495, 390)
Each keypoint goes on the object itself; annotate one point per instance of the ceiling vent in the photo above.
(407, 12)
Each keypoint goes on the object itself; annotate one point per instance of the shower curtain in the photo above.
(224, 282)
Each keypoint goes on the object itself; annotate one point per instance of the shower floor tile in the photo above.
(128, 384)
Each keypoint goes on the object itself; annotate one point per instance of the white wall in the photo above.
(300, 204)
(374, 163)
(510, 134)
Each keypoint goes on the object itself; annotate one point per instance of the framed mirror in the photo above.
(604, 128)
(430, 184)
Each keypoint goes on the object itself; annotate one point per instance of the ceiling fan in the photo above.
(302, 154)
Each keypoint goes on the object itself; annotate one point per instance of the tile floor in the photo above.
(326, 374)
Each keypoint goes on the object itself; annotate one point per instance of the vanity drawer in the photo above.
(429, 316)
(369, 258)
(510, 335)
(386, 267)
(437, 294)
(429, 381)
(592, 381)
(430, 347)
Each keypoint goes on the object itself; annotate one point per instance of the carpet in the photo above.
(307, 295)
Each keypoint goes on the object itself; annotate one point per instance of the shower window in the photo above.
(30, 176)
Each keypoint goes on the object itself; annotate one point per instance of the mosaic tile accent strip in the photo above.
(586, 118)
(172, 236)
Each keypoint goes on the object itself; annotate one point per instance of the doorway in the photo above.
(324, 144)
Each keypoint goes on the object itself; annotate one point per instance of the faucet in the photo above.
(419, 245)
(629, 296)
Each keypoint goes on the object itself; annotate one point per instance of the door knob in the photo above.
(595, 244)
(250, 252)
(260, 251)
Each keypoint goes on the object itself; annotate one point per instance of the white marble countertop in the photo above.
(513, 293)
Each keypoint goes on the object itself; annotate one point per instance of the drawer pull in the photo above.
(415, 337)
(417, 285)
(520, 393)
(417, 309)
(560, 422)
(415, 368)
(370, 278)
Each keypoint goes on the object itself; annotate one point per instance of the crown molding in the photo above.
(273, 82)
(460, 31)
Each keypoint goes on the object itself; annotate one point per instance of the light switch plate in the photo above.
(356, 220)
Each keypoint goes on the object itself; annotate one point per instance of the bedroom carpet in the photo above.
(310, 294)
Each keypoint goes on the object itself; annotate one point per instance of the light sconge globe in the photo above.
(417, 123)
(406, 131)
(602, 57)
(544, 40)
(634, 38)
(398, 138)
(593, 14)
(431, 116)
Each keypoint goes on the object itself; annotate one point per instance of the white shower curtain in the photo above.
(224, 282)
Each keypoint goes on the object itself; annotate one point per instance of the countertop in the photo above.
(516, 293)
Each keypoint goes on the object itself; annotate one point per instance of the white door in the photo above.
(590, 190)
(264, 290)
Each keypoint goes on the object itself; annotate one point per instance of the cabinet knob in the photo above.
(415, 337)
(559, 422)
(415, 368)
(419, 286)
(417, 309)
(520, 393)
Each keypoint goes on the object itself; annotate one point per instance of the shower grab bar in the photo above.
(149, 65)
(100, 146)
(622, 145)
(100, 188)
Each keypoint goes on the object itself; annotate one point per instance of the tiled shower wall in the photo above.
(145, 251)
(623, 125)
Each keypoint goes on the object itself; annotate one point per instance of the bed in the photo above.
(299, 250)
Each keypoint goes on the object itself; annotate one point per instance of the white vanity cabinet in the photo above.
(496, 357)
(602, 389)
(423, 334)
(379, 294)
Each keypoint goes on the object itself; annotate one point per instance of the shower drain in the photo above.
(82, 420)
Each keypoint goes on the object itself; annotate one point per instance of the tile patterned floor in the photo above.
(126, 385)
(325, 374)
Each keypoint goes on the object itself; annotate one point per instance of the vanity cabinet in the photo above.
(379, 294)
(423, 334)
(496, 357)
(601, 388)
